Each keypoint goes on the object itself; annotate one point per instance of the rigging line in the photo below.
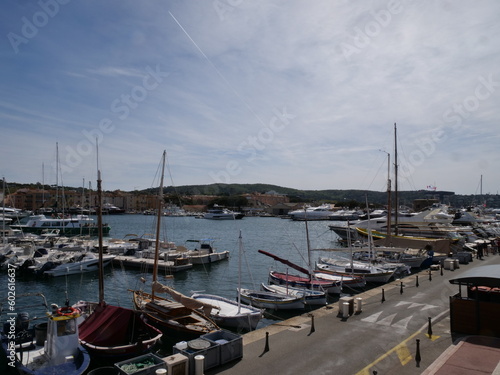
(217, 70)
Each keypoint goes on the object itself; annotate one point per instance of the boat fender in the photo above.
(66, 311)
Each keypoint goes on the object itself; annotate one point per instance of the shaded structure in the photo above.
(475, 311)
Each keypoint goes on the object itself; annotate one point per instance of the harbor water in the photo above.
(281, 237)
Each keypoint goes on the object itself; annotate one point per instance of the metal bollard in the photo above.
(358, 305)
(199, 362)
(345, 310)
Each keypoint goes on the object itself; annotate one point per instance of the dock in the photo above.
(402, 327)
(147, 264)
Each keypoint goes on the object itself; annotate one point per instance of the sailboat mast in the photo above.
(99, 224)
(396, 204)
(158, 222)
(4, 239)
(389, 198)
(240, 248)
(308, 243)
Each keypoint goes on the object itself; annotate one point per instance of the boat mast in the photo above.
(4, 239)
(240, 248)
(308, 243)
(158, 224)
(389, 198)
(396, 204)
(99, 224)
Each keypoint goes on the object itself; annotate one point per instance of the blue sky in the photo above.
(294, 93)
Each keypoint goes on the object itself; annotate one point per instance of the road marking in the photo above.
(372, 318)
(400, 347)
(404, 354)
(403, 323)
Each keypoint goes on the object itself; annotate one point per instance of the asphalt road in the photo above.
(382, 338)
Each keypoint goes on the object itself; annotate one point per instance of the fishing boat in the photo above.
(45, 348)
(270, 300)
(369, 272)
(230, 314)
(311, 297)
(113, 331)
(181, 314)
(306, 282)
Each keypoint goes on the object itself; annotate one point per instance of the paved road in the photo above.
(382, 338)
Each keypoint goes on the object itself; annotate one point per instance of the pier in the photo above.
(170, 266)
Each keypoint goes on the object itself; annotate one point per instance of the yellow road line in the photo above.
(400, 349)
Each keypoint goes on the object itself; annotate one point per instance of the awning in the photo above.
(482, 275)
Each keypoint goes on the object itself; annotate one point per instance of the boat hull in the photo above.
(229, 314)
(269, 300)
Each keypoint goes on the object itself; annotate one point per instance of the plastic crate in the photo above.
(230, 344)
(149, 370)
(211, 354)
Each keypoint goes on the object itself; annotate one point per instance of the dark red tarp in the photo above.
(114, 326)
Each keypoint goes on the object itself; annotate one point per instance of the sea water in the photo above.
(282, 237)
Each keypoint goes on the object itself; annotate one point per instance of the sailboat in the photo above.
(113, 331)
(229, 313)
(315, 280)
(181, 314)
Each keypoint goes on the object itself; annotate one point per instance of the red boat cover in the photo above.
(114, 326)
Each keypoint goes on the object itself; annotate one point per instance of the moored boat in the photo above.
(270, 300)
(68, 226)
(230, 314)
(311, 297)
(222, 213)
(44, 348)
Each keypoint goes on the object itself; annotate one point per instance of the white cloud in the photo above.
(231, 70)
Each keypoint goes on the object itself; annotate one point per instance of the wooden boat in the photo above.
(311, 297)
(270, 300)
(181, 314)
(173, 316)
(370, 272)
(32, 354)
(310, 282)
(229, 313)
(113, 331)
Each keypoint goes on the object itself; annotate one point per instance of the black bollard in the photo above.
(417, 281)
(401, 289)
(417, 355)
(383, 295)
(430, 275)
(429, 329)
(312, 324)
(266, 348)
(441, 268)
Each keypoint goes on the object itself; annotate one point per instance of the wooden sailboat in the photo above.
(229, 313)
(181, 314)
(113, 331)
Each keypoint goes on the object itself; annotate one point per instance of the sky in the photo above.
(293, 93)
